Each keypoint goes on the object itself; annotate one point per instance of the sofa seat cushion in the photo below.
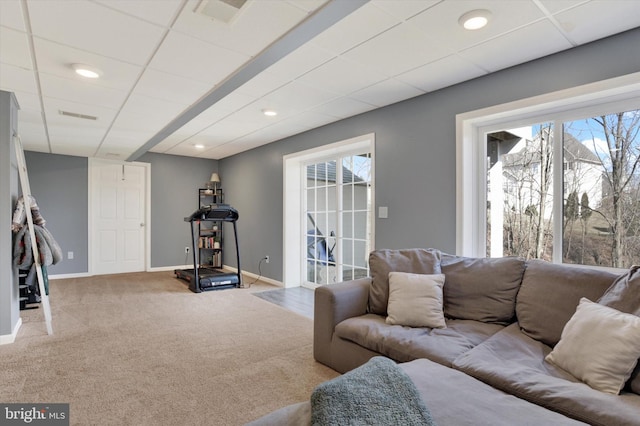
(452, 397)
(456, 399)
(513, 362)
(404, 344)
(549, 296)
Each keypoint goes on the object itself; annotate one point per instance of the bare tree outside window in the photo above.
(611, 224)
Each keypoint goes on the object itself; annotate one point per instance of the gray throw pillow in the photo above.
(381, 262)
(624, 295)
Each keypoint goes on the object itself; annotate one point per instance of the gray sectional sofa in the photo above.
(503, 318)
(511, 332)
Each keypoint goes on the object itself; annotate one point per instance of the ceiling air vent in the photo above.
(77, 115)
(220, 10)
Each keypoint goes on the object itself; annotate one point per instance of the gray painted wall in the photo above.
(415, 152)
(9, 304)
(174, 195)
(59, 184)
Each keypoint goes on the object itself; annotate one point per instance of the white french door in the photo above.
(118, 217)
(338, 216)
(328, 212)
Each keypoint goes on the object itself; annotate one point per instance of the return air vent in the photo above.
(220, 10)
(78, 115)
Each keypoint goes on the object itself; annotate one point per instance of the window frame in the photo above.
(607, 96)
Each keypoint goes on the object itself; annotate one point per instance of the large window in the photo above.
(600, 197)
(558, 183)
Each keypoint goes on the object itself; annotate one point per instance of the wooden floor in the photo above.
(296, 299)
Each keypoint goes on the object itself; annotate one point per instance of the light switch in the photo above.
(383, 212)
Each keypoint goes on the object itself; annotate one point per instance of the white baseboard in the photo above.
(255, 276)
(169, 268)
(6, 339)
(76, 275)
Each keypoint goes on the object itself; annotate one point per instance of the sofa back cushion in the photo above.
(624, 295)
(381, 262)
(481, 289)
(550, 294)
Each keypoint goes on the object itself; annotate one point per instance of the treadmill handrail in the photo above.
(218, 212)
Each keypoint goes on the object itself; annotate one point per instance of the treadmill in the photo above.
(204, 279)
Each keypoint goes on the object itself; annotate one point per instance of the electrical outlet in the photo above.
(266, 259)
(187, 249)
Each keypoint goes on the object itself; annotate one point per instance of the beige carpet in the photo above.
(141, 349)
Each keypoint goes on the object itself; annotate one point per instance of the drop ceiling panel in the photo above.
(144, 113)
(441, 73)
(596, 19)
(239, 35)
(295, 64)
(161, 13)
(81, 92)
(11, 15)
(15, 79)
(441, 21)
(195, 59)
(355, 29)
(343, 107)
(119, 144)
(342, 76)
(541, 39)
(33, 136)
(291, 98)
(554, 6)
(14, 46)
(169, 87)
(56, 59)
(66, 136)
(404, 9)
(406, 48)
(27, 101)
(53, 106)
(95, 28)
(386, 92)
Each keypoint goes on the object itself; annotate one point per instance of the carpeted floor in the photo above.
(141, 349)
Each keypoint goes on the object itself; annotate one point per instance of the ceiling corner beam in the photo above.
(316, 23)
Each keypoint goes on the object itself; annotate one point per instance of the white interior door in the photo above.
(118, 194)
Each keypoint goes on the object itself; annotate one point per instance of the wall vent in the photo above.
(77, 115)
(220, 10)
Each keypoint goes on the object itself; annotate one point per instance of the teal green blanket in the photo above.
(376, 393)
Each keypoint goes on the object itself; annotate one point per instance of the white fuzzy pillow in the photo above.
(415, 300)
(599, 346)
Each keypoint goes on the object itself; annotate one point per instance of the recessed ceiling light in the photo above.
(475, 19)
(86, 70)
(269, 112)
(198, 146)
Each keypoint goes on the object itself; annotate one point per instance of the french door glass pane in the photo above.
(338, 218)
